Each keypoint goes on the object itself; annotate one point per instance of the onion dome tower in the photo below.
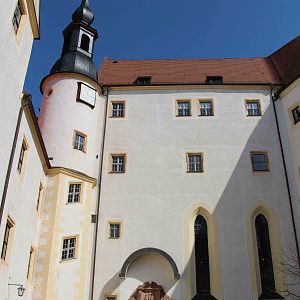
(71, 104)
(79, 38)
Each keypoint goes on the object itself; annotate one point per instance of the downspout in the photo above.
(25, 98)
(99, 194)
(274, 96)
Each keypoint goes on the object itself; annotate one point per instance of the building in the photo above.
(156, 179)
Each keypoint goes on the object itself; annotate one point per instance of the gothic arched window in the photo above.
(265, 259)
(85, 43)
(202, 256)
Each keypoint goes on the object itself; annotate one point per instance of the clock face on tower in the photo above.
(86, 94)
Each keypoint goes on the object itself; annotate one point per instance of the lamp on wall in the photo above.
(20, 289)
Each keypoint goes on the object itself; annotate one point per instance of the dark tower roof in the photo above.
(77, 52)
(83, 14)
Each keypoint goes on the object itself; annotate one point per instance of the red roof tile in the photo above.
(278, 68)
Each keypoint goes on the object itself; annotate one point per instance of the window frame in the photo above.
(75, 193)
(82, 135)
(118, 102)
(178, 101)
(111, 163)
(265, 153)
(114, 222)
(207, 100)
(7, 242)
(20, 22)
(22, 158)
(188, 155)
(112, 296)
(249, 101)
(295, 107)
(75, 248)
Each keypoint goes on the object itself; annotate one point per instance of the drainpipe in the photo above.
(274, 96)
(25, 98)
(99, 193)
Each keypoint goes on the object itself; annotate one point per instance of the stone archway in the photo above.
(149, 291)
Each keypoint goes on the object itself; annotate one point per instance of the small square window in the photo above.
(74, 193)
(253, 108)
(206, 108)
(7, 239)
(117, 109)
(79, 142)
(118, 163)
(195, 163)
(260, 161)
(183, 108)
(16, 20)
(114, 230)
(68, 249)
(296, 114)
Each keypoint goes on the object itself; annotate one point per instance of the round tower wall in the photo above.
(66, 111)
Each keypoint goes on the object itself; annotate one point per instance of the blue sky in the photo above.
(140, 29)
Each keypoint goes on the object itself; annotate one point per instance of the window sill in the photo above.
(69, 260)
(177, 116)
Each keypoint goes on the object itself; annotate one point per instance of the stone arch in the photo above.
(145, 251)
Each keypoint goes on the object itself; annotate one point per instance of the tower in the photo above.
(71, 122)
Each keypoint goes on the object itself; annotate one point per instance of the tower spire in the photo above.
(78, 48)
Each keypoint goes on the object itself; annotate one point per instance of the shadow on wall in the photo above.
(239, 193)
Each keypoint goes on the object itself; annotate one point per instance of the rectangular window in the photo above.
(29, 268)
(253, 108)
(118, 164)
(143, 80)
(6, 240)
(39, 198)
(260, 161)
(206, 108)
(183, 108)
(79, 141)
(16, 20)
(111, 298)
(117, 110)
(114, 230)
(74, 193)
(195, 162)
(68, 249)
(21, 157)
(296, 114)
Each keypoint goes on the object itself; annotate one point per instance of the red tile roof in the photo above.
(281, 67)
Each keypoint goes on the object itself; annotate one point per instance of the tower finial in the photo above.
(83, 14)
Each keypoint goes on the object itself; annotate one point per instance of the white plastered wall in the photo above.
(152, 198)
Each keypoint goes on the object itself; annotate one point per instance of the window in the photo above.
(39, 197)
(183, 108)
(143, 80)
(79, 141)
(21, 160)
(114, 230)
(260, 161)
(16, 20)
(118, 163)
(202, 257)
(206, 108)
(296, 114)
(214, 80)
(68, 249)
(111, 298)
(29, 268)
(74, 193)
(195, 162)
(117, 109)
(265, 259)
(85, 42)
(253, 108)
(6, 239)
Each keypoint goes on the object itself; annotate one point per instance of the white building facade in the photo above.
(155, 179)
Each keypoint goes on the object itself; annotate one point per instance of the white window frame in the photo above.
(69, 245)
(74, 193)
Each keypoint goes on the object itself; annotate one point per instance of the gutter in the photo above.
(24, 102)
(99, 195)
(274, 96)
